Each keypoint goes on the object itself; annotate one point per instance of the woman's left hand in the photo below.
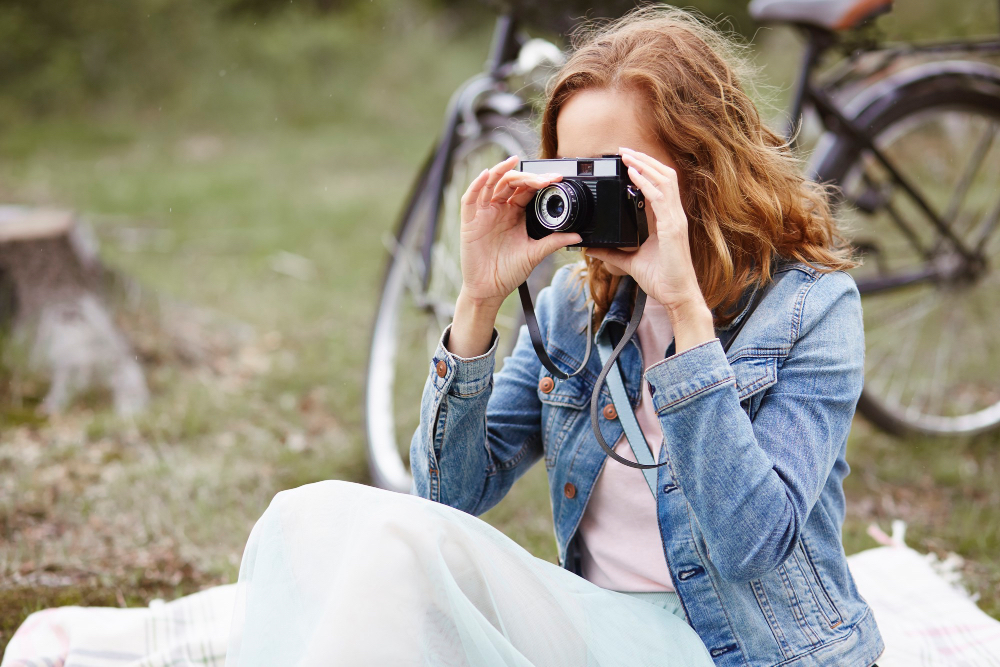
(662, 266)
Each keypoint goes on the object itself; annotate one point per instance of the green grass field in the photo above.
(256, 370)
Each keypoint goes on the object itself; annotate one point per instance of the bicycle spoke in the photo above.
(945, 342)
(872, 368)
(965, 181)
(980, 327)
(991, 344)
(890, 351)
(904, 227)
(907, 356)
(901, 317)
(987, 228)
(983, 335)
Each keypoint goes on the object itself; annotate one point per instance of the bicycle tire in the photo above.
(392, 385)
(949, 387)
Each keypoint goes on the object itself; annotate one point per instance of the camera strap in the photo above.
(611, 363)
(615, 386)
(635, 196)
(633, 434)
(619, 397)
(639, 206)
(536, 337)
(625, 409)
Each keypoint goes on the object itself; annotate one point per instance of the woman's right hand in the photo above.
(497, 253)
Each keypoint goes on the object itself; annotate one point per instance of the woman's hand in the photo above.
(497, 253)
(662, 266)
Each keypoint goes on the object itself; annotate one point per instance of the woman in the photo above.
(737, 559)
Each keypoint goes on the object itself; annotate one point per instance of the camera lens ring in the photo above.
(558, 198)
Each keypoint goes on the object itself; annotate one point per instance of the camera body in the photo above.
(595, 199)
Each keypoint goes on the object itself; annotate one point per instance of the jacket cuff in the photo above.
(461, 376)
(688, 374)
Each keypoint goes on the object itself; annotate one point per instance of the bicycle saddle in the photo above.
(825, 14)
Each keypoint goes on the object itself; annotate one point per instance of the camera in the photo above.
(595, 199)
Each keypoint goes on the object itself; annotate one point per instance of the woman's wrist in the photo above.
(483, 304)
(692, 322)
(472, 327)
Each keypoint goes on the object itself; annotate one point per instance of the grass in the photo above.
(946, 492)
(305, 146)
(256, 375)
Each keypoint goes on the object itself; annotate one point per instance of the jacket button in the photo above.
(610, 412)
(442, 368)
(546, 384)
(569, 490)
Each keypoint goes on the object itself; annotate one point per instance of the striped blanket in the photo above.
(925, 619)
(192, 630)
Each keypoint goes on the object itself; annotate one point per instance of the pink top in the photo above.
(620, 545)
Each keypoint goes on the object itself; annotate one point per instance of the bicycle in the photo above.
(925, 235)
(865, 108)
(486, 123)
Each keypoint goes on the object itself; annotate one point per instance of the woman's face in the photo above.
(597, 122)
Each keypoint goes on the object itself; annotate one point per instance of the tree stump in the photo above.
(52, 303)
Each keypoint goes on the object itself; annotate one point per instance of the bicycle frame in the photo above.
(818, 96)
(460, 117)
(427, 196)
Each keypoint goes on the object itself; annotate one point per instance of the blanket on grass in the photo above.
(926, 620)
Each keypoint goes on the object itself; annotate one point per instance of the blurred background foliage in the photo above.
(207, 142)
(62, 57)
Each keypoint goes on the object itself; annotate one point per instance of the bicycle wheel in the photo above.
(410, 319)
(931, 309)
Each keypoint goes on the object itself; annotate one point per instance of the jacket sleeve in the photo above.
(752, 485)
(478, 432)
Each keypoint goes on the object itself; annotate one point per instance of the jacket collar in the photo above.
(620, 310)
(742, 306)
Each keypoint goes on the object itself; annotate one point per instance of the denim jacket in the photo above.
(751, 501)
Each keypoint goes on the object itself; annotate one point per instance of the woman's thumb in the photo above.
(554, 242)
(616, 258)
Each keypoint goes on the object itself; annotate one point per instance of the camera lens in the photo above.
(558, 205)
(555, 206)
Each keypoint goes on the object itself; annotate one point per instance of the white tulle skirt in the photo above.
(337, 573)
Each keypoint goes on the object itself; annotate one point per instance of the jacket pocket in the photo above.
(755, 371)
(572, 392)
(830, 614)
(809, 617)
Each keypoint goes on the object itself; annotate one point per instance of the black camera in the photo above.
(595, 199)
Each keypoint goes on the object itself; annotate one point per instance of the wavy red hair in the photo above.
(743, 191)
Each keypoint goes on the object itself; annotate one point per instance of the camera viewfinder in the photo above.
(585, 168)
